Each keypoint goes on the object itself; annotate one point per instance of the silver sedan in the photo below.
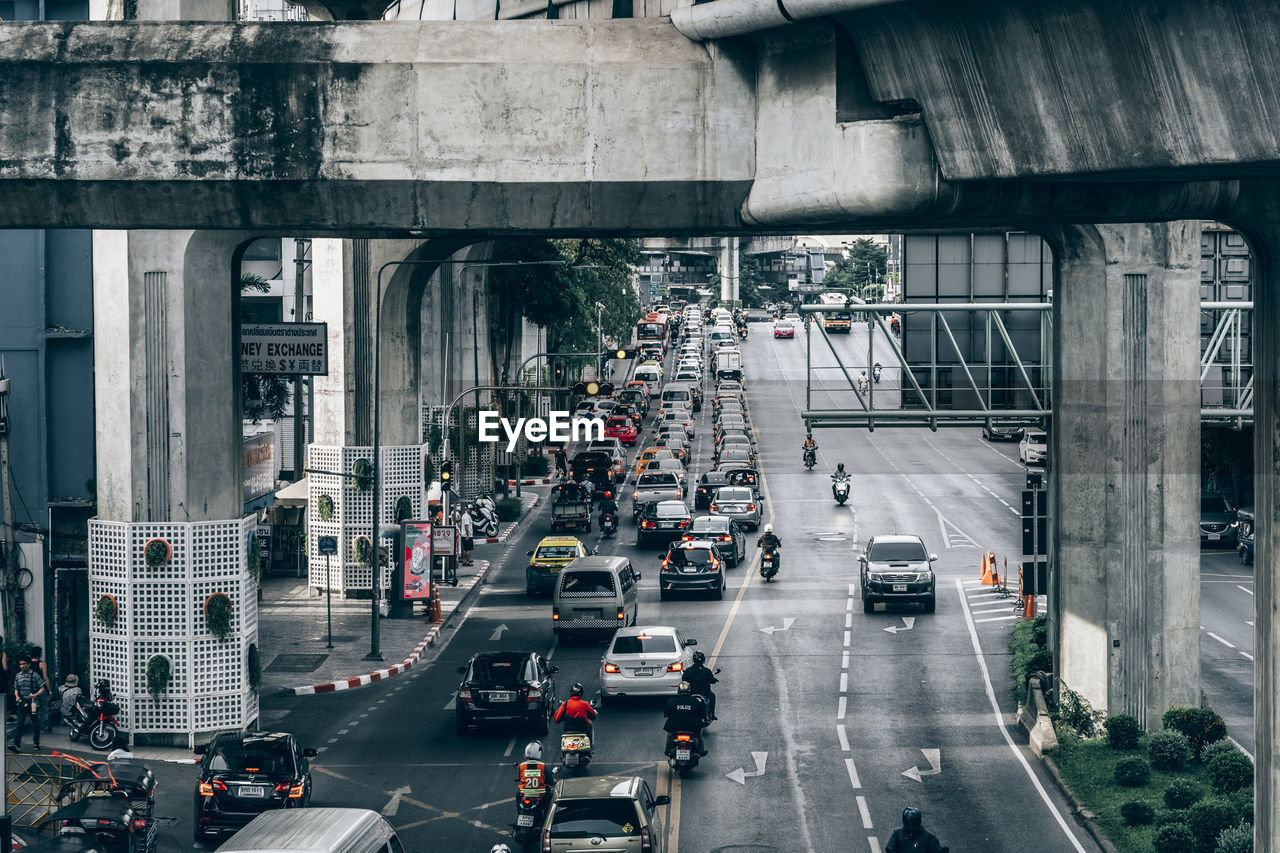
(737, 502)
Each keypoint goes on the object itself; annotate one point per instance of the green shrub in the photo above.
(1201, 725)
(1123, 731)
(404, 509)
(1215, 749)
(1242, 801)
(1182, 794)
(1207, 820)
(1137, 813)
(1132, 772)
(1236, 839)
(1028, 652)
(1170, 751)
(1230, 771)
(1172, 816)
(1174, 838)
(362, 476)
(535, 465)
(1074, 712)
(508, 509)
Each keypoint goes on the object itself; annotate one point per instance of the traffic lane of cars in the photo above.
(1227, 641)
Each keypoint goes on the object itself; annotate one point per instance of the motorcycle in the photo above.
(484, 514)
(575, 751)
(742, 331)
(684, 755)
(810, 458)
(840, 488)
(96, 719)
(769, 564)
(875, 374)
(526, 829)
(608, 523)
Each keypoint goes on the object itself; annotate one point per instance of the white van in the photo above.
(596, 593)
(677, 394)
(650, 374)
(315, 830)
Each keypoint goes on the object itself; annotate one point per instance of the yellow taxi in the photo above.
(545, 562)
(651, 453)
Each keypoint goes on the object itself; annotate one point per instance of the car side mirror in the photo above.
(553, 669)
(595, 551)
(933, 558)
(462, 670)
(310, 752)
(661, 800)
(528, 553)
(637, 574)
(691, 642)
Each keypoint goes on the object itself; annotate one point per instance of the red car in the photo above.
(784, 329)
(623, 429)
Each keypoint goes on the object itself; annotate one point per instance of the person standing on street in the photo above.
(38, 664)
(28, 686)
(467, 528)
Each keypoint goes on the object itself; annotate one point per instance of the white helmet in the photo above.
(533, 750)
(500, 848)
(768, 528)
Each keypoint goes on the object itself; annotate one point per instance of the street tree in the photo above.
(263, 396)
(860, 270)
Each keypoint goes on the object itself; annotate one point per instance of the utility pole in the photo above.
(13, 626)
(299, 412)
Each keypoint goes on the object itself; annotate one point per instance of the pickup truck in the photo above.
(656, 486)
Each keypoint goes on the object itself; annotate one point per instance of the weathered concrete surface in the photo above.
(493, 125)
(1125, 471)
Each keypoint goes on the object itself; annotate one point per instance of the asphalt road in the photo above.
(851, 720)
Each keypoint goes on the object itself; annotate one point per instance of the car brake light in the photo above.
(646, 524)
(621, 614)
(282, 787)
(465, 694)
(725, 538)
(612, 668)
(715, 507)
(207, 788)
(751, 507)
(555, 615)
(535, 694)
(546, 841)
(675, 667)
(684, 738)
(646, 846)
(684, 523)
(295, 793)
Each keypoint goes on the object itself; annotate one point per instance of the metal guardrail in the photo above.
(1007, 382)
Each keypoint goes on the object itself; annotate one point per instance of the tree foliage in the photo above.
(263, 396)
(862, 270)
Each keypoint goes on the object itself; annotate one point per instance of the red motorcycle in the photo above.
(96, 719)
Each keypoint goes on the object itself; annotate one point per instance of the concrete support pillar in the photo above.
(166, 399)
(1125, 466)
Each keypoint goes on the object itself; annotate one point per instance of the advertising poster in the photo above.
(417, 560)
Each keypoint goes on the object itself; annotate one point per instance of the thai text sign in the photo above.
(289, 349)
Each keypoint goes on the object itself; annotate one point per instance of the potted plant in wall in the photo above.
(363, 552)
(217, 615)
(362, 481)
(324, 507)
(159, 674)
(156, 552)
(253, 664)
(404, 509)
(107, 610)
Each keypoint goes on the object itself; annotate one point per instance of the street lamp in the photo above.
(599, 340)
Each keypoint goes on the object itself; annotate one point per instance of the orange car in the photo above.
(651, 453)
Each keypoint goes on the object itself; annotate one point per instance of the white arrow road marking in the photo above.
(497, 632)
(934, 757)
(952, 535)
(740, 775)
(393, 804)
(908, 623)
(453, 702)
(786, 625)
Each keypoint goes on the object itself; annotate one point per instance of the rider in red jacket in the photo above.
(575, 712)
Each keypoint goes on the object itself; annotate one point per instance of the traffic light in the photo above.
(446, 475)
(559, 374)
(593, 389)
(624, 354)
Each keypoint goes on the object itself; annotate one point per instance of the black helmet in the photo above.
(840, 466)
(912, 818)
(699, 658)
(576, 689)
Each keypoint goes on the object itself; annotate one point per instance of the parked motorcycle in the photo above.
(684, 752)
(840, 488)
(810, 458)
(96, 718)
(769, 561)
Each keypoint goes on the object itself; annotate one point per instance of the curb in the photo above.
(536, 481)
(510, 527)
(404, 665)
(1082, 814)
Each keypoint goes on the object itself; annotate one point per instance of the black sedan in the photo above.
(992, 431)
(243, 774)
(707, 486)
(725, 532)
(506, 687)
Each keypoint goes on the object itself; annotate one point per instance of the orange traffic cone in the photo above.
(436, 615)
(985, 571)
(989, 575)
(1028, 607)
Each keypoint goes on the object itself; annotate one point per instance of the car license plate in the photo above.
(251, 791)
(683, 754)
(571, 760)
(502, 697)
(899, 587)
(1213, 537)
(524, 820)
(644, 670)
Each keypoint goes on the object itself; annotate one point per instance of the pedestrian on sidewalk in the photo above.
(468, 529)
(70, 692)
(38, 664)
(27, 689)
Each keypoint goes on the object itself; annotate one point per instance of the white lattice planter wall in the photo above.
(353, 510)
(476, 476)
(161, 610)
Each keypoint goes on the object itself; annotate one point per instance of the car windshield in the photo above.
(1213, 503)
(658, 479)
(587, 583)
(896, 552)
(1037, 438)
(733, 494)
(710, 524)
(690, 556)
(610, 817)
(556, 552)
(499, 668)
(669, 509)
(261, 756)
(644, 644)
(618, 423)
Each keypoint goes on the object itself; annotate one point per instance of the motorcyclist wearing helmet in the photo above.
(768, 540)
(809, 444)
(608, 504)
(913, 836)
(700, 679)
(575, 712)
(685, 712)
(531, 776)
(837, 477)
(499, 848)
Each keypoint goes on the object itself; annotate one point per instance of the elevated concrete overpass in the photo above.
(1068, 118)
